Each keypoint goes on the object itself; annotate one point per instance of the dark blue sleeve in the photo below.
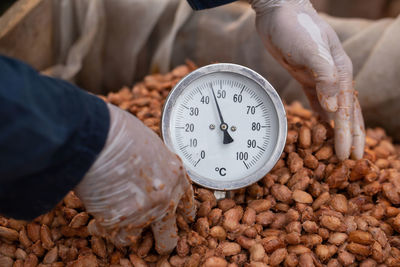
(203, 4)
(50, 134)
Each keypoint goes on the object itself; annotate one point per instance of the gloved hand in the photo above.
(310, 50)
(136, 182)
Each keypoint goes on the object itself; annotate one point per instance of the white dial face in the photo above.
(224, 127)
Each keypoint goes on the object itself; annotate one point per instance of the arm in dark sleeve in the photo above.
(50, 134)
(203, 4)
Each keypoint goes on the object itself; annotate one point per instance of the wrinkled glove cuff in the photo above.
(265, 6)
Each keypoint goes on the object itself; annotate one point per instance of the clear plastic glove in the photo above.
(310, 50)
(136, 182)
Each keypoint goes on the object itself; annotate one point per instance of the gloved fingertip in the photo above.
(166, 245)
(358, 131)
(329, 103)
(187, 207)
(343, 140)
(358, 152)
(165, 234)
(342, 154)
(358, 145)
(165, 250)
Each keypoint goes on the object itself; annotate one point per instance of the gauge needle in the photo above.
(224, 127)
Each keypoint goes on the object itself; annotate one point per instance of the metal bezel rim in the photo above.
(273, 95)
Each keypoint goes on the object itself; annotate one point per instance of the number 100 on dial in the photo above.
(227, 124)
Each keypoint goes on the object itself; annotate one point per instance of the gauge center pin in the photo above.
(224, 126)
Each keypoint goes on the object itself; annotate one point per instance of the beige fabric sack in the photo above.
(105, 44)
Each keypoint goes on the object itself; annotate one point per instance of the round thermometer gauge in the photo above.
(227, 124)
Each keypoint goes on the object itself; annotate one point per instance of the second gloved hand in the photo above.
(136, 182)
(310, 50)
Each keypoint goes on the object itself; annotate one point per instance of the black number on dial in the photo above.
(237, 98)
(205, 100)
(256, 126)
(194, 111)
(193, 142)
(251, 110)
(189, 127)
(221, 94)
(251, 143)
(242, 156)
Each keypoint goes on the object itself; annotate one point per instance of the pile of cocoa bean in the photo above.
(310, 210)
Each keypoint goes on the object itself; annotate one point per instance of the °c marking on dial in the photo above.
(221, 171)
